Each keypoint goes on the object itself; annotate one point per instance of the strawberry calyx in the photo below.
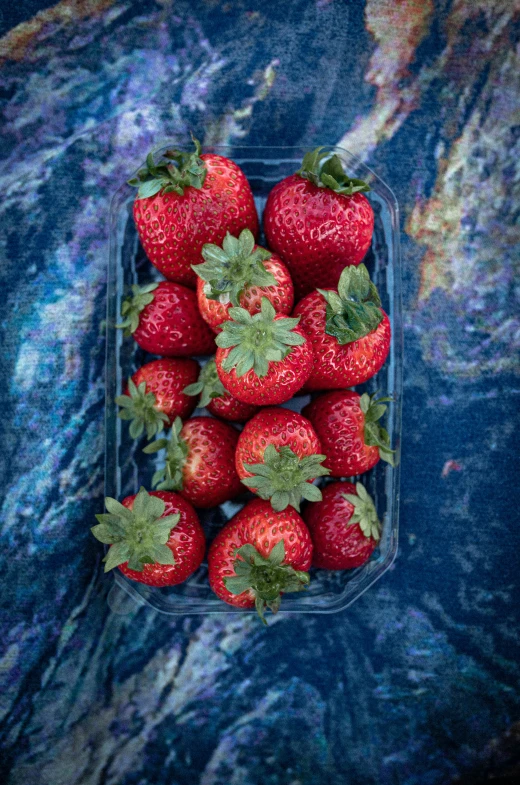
(354, 310)
(133, 305)
(137, 536)
(364, 512)
(267, 577)
(326, 171)
(283, 477)
(140, 408)
(180, 170)
(227, 270)
(169, 477)
(256, 341)
(208, 385)
(375, 434)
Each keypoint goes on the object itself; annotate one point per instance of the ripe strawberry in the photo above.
(163, 318)
(155, 538)
(348, 429)
(344, 527)
(216, 399)
(200, 461)
(349, 331)
(240, 274)
(155, 396)
(278, 457)
(186, 200)
(318, 221)
(258, 556)
(262, 359)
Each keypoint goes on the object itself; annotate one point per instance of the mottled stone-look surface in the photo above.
(418, 681)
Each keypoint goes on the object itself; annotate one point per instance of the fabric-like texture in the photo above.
(418, 681)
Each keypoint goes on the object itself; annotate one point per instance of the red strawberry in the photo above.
(155, 396)
(186, 200)
(262, 359)
(349, 331)
(258, 556)
(163, 318)
(344, 527)
(216, 399)
(155, 538)
(240, 274)
(228, 408)
(278, 457)
(200, 461)
(349, 432)
(318, 221)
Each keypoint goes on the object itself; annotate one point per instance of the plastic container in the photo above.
(127, 467)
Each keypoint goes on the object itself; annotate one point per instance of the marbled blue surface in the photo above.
(416, 683)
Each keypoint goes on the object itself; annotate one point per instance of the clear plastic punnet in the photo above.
(127, 467)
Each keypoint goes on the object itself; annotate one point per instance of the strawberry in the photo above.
(200, 461)
(262, 359)
(258, 556)
(347, 426)
(240, 274)
(186, 200)
(163, 318)
(155, 396)
(278, 457)
(318, 221)
(155, 538)
(349, 331)
(216, 399)
(344, 527)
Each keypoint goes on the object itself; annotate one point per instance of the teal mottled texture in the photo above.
(417, 683)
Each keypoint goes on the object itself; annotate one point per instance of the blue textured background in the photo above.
(417, 683)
